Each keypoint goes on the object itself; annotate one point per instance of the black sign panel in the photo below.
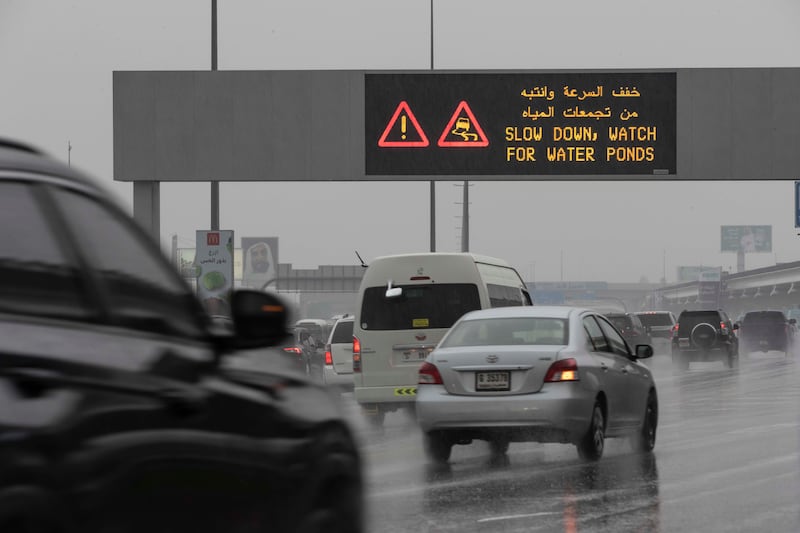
(484, 124)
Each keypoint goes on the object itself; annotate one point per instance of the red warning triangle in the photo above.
(463, 131)
(398, 129)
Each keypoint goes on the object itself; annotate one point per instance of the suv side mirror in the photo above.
(259, 318)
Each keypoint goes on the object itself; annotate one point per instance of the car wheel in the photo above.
(337, 505)
(438, 446)
(499, 445)
(590, 447)
(646, 440)
(680, 360)
(375, 418)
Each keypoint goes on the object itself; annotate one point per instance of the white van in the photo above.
(406, 303)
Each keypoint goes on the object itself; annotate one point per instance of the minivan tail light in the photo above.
(356, 355)
(328, 355)
(563, 370)
(429, 374)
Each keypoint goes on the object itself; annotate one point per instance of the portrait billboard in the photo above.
(259, 262)
(214, 270)
(746, 239)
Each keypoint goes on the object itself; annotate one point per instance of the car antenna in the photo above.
(363, 264)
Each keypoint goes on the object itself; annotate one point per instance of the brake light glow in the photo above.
(722, 326)
(419, 278)
(563, 370)
(356, 355)
(293, 349)
(429, 374)
(328, 355)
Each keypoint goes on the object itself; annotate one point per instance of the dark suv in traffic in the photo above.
(123, 408)
(704, 335)
(766, 330)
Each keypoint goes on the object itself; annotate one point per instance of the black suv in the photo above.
(122, 408)
(766, 330)
(704, 335)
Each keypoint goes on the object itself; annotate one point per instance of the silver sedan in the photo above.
(543, 374)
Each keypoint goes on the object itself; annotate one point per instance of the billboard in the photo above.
(551, 123)
(214, 270)
(692, 272)
(746, 239)
(259, 262)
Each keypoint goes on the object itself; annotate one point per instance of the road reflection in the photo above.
(618, 493)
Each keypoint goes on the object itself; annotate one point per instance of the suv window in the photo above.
(689, 319)
(36, 277)
(621, 322)
(763, 317)
(420, 306)
(342, 332)
(142, 289)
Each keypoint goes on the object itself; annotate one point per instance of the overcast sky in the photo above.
(57, 59)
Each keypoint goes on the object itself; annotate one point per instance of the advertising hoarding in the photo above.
(746, 239)
(259, 262)
(214, 270)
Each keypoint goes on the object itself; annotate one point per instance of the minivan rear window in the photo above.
(419, 306)
(342, 332)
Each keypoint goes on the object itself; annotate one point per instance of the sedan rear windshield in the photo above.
(508, 331)
(419, 306)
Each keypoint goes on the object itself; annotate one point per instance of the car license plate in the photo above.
(683, 343)
(492, 381)
(415, 356)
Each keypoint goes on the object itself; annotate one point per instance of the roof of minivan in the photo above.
(475, 257)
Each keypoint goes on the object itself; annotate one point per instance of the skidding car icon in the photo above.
(462, 129)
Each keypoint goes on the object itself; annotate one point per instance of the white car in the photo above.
(338, 368)
(544, 374)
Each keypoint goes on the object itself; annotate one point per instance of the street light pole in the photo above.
(432, 183)
(214, 184)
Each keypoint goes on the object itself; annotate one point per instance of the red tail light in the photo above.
(675, 329)
(429, 374)
(328, 355)
(356, 355)
(563, 370)
(294, 350)
(722, 326)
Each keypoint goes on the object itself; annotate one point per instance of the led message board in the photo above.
(485, 124)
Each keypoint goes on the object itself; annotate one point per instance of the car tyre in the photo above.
(646, 440)
(680, 360)
(590, 447)
(377, 418)
(499, 445)
(438, 446)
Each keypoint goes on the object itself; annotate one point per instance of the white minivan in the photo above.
(406, 303)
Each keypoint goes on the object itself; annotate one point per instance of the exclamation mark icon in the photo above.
(403, 127)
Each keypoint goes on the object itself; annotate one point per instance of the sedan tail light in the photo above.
(294, 350)
(328, 355)
(429, 374)
(563, 370)
(356, 355)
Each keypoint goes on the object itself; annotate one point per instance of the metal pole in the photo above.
(465, 219)
(214, 184)
(433, 183)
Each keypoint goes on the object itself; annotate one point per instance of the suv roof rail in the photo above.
(16, 145)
